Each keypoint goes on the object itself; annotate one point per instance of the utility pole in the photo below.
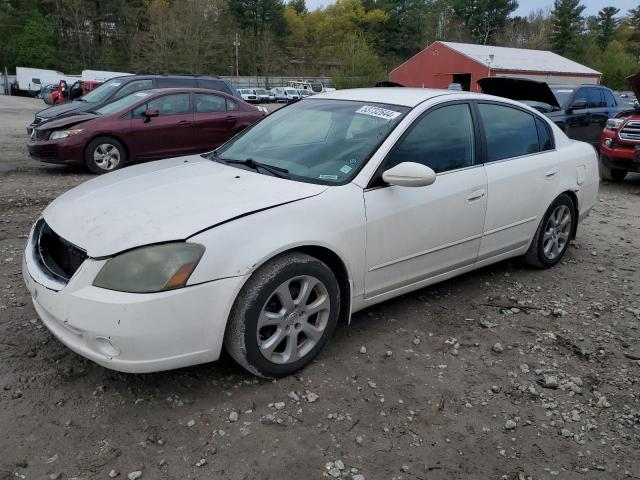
(237, 44)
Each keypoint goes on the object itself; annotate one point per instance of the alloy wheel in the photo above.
(557, 232)
(293, 319)
(106, 156)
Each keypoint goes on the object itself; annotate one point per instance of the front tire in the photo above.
(552, 238)
(105, 154)
(610, 174)
(283, 316)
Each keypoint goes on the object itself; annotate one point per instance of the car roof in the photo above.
(153, 75)
(407, 97)
(159, 91)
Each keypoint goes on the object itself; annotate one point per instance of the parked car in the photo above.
(304, 93)
(262, 94)
(272, 96)
(263, 245)
(249, 95)
(63, 94)
(286, 94)
(45, 91)
(581, 111)
(620, 142)
(119, 87)
(145, 125)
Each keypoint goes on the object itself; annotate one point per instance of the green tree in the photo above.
(34, 44)
(360, 66)
(567, 27)
(606, 26)
(299, 6)
(403, 34)
(617, 65)
(483, 18)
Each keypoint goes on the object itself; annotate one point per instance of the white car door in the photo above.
(522, 172)
(416, 233)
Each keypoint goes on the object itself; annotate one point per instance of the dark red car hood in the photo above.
(69, 121)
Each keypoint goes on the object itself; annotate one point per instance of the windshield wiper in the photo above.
(251, 163)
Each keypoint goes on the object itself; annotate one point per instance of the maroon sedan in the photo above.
(146, 125)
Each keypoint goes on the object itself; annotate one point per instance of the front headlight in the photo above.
(150, 269)
(58, 134)
(614, 123)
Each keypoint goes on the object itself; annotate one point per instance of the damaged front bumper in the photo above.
(128, 332)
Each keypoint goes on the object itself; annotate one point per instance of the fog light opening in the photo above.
(608, 142)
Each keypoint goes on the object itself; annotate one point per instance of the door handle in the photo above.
(184, 122)
(551, 173)
(477, 195)
(230, 119)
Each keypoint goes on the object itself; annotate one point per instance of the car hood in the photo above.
(66, 121)
(519, 89)
(634, 81)
(163, 201)
(65, 109)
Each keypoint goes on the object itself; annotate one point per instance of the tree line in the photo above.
(356, 41)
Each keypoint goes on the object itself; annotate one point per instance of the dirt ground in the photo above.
(504, 373)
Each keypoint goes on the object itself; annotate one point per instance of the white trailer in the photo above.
(30, 80)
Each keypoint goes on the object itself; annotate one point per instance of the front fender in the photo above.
(334, 220)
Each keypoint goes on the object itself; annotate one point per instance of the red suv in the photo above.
(620, 142)
(146, 125)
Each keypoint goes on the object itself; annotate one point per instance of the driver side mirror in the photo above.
(578, 105)
(409, 174)
(150, 112)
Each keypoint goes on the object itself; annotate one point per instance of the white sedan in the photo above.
(323, 208)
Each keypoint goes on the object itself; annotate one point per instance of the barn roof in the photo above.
(520, 59)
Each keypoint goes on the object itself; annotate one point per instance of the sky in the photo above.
(593, 6)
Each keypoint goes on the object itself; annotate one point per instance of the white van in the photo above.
(286, 94)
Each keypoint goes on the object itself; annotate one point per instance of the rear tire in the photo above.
(283, 316)
(610, 174)
(553, 236)
(104, 154)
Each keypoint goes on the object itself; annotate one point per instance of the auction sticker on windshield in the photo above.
(378, 112)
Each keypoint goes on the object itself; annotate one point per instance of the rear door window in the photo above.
(509, 132)
(544, 135)
(205, 103)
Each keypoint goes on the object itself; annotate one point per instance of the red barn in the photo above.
(443, 63)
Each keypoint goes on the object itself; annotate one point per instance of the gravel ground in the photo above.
(506, 372)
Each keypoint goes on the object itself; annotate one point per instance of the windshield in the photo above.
(122, 103)
(261, 91)
(563, 95)
(317, 141)
(103, 92)
(292, 92)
